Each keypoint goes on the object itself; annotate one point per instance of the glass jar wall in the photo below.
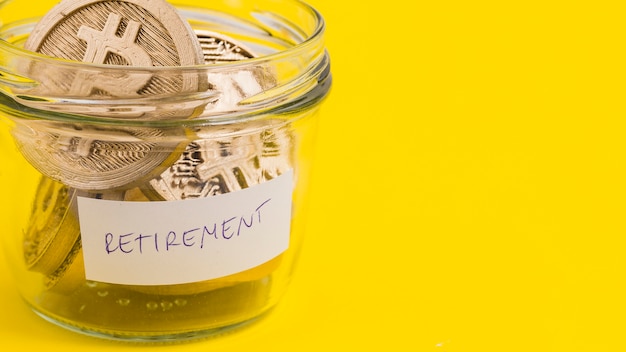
(170, 212)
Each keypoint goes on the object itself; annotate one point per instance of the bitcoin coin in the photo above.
(67, 272)
(70, 275)
(140, 33)
(52, 240)
(53, 229)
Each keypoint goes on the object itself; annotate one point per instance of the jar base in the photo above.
(156, 337)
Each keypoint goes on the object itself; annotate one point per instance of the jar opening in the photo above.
(289, 64)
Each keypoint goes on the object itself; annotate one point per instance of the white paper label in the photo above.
(176, 242)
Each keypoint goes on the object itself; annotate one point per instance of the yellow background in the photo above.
(469, 193)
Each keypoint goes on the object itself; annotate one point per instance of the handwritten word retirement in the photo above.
(198, 237)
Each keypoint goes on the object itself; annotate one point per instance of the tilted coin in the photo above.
(119, 34)
(52, 241)
(70, 275)
(53, 229)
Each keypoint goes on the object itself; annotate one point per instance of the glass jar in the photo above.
(171, 214)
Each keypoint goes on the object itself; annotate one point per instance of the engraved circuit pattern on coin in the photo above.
(129, 33)
(218, 48)
(208, 168)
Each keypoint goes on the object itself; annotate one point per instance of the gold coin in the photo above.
(53, 229)
(70, 275)
(52, 244)
(139, 33)
(120, 35)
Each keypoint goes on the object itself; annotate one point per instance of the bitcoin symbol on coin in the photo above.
(101, 44)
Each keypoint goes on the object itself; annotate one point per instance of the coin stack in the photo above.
(124, 163)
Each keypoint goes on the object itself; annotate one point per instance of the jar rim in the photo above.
(315, 34)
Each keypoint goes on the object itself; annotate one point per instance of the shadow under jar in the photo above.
(172, 214)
